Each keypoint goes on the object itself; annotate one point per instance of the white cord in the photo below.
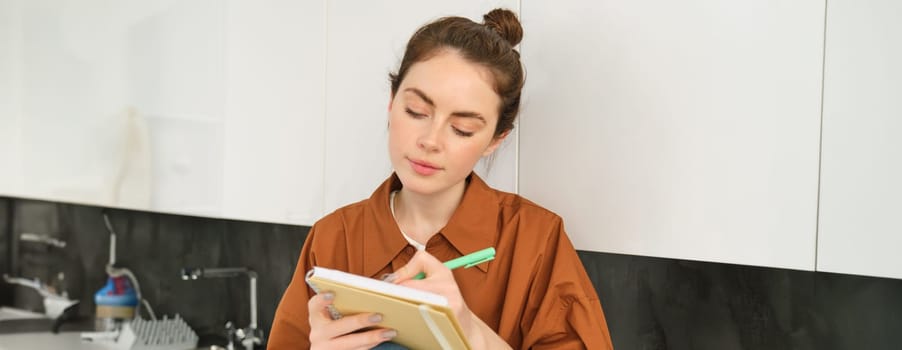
(119, 272)
(149, 309)
(109, 227)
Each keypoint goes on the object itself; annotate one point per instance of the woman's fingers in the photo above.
(325, 330)
(363, 340)
(317, 308)
(422, 262)
(353, 323)
(345, 333)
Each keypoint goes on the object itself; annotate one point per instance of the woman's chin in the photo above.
(425, 185)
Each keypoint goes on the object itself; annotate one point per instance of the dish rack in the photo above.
(140, 334)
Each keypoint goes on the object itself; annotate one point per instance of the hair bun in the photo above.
(505, 23)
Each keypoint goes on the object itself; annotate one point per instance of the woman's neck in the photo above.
(422, 216)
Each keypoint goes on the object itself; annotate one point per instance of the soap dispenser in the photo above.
(119, 299)
(115, 302)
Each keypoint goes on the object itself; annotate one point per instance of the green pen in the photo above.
(466, 261)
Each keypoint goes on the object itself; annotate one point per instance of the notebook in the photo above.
(422, 319)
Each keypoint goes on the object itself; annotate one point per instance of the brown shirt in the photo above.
(535, 294)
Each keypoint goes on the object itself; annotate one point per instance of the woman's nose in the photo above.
(430, 140)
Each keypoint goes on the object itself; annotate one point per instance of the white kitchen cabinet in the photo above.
(861, 171)
(268, 111)
(365, 42)
(206, 107)
(117, 105)
(676, 129)
(274, 111)
(10, 102)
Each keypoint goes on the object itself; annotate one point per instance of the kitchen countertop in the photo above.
(34, 334)
(50, 341)
(45, 340)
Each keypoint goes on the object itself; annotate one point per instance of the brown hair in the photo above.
(490, 44)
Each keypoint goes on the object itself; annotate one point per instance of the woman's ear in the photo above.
(495, 143)
(391, 98)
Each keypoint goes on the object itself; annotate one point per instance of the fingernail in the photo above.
(389, 334)
(328, 295)
(375, 318)
(389, 277)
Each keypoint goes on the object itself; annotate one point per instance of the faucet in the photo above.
(250, 335)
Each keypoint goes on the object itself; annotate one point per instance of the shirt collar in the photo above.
(384, 242)
(472, 227)
(474, 224)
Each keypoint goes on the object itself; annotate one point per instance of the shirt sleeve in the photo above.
(569, 314)
(290, 326)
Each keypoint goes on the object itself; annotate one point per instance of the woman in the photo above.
(453, 101)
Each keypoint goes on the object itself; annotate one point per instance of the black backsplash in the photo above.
(650, 303)
(5, 251)
(658, 304)
(155, 247)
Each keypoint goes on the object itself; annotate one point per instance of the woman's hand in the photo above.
(326, 333)
(440, 280)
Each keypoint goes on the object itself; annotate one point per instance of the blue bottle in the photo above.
(115, 302)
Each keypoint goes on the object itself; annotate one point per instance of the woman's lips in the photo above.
(423, 168)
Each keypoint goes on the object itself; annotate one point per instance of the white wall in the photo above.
(676, 129)
(860, 231)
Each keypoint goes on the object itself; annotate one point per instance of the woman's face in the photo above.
(441, 122)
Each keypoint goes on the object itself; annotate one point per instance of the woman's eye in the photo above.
(414, 114)
(462, 133)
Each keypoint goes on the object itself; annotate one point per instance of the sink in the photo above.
(34, 334)
(14, 321)
(8, 313)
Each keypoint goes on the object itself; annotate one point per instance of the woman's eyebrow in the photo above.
(422, 95)
(462, 114)
(473, 115)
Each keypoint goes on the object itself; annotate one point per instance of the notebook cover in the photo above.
(398, 313)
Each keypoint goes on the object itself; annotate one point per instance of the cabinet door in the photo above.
(274, 111)
(859, 228)
(10, 103)
(206, 107)
(116, 105)
(676, 129)
(366, 41)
